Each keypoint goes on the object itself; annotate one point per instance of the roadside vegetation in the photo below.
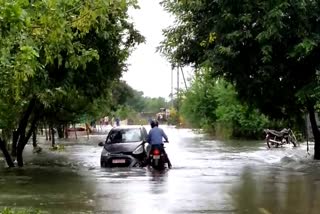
(264, 53)
(59, 63)
(132, 103)
(212, 104)
(256, 66)
(19, 211)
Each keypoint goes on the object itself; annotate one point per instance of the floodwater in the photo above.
(208, 176)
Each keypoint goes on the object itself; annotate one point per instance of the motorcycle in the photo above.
(278, 138)
(157, 158)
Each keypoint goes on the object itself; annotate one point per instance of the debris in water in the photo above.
(264, 211)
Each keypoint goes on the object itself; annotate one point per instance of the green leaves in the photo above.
(7, 210)
(268, 50)
(211, 38)
(304, 48)
(267, 53)
(65, 53)
(213, 104)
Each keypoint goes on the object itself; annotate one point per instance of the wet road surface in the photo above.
(208, 176)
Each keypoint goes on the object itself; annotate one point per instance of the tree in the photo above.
(212, 104)
(268, 50)
(58, 56)
(125, 95)
(154, 104)
(137, 101)
(199, 104)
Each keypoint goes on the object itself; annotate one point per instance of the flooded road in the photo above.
(207, 177)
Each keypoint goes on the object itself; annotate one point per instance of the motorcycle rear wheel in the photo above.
(268, 143)
(271, 144)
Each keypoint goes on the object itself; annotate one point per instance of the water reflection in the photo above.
(277, 191)
(208, 176)
(51, 190)
(158, 182)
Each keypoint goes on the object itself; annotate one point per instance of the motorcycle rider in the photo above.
(155, 139)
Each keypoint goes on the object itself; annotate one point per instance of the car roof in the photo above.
(127, 127)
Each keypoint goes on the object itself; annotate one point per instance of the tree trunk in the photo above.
(24, 138)
(52, 137)
(50, 134)
(315, 131)
(88, 130)
(46, 132)
(34, 138)
(7, 138)
(60, 131)
(6, 153)
(66, 134)
(15, 138)
(20, 148)
(75, 131)
(19, 134)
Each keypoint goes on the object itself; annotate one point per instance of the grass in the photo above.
(8, 210)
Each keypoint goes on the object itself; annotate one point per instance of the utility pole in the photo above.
(178, 89)
(184, 79)
(171, 87)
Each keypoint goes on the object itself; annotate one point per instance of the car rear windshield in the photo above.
(124, 136)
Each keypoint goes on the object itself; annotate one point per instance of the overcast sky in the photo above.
(149, 71)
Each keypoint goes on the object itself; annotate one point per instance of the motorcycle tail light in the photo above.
(156, 152)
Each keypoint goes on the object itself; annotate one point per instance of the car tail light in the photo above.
(156, 152)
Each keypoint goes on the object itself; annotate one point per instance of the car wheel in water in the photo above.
(103, 164)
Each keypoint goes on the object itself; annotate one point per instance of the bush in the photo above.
(213, 105)
(7, 210)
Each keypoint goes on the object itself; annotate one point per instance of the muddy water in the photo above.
(208, 176)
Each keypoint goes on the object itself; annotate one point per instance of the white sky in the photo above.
(148, 71)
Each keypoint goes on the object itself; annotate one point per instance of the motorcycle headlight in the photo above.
(138, 150)
(104, 152)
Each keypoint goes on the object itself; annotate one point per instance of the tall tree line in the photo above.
(267, 50)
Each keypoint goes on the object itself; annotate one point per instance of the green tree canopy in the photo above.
(59, 56)
(125, 95)
(268, 50)
(212, 104)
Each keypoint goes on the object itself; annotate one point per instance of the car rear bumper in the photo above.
(116, 160)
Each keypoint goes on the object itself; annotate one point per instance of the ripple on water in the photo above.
(208, 176)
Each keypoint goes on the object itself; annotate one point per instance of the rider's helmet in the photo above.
(153, 123)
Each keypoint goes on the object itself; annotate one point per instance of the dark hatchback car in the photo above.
(124, 147)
